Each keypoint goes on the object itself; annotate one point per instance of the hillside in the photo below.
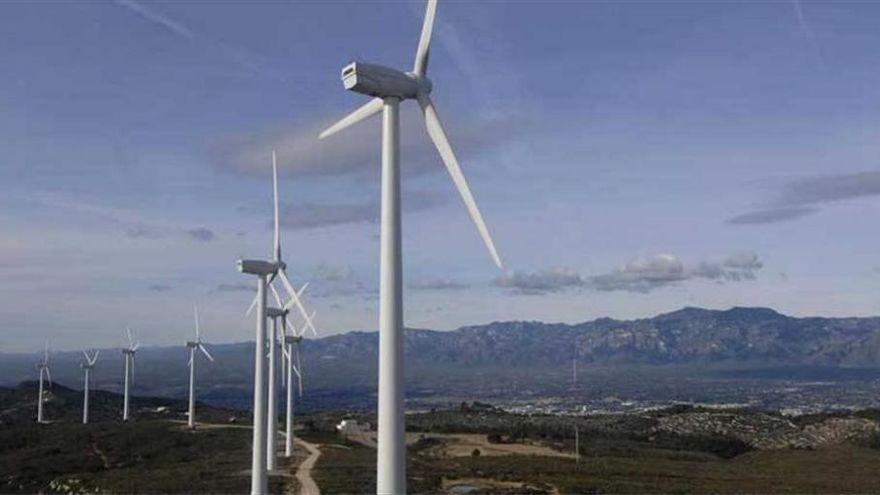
(530, 358)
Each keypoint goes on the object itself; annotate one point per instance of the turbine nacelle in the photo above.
(384, 82)
(276, 312)
(258, 267)
(292, 339)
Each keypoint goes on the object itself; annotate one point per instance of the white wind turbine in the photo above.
(272, 403)
(288, 355)
(43, 366)
(193, 345)
(274, 340)
(266, 272)
(128, 355)
(87, 366)
(291, 354)
(389, 87)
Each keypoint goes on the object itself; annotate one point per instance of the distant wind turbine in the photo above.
(266, 272)
(389, 87)
(128, 355)
(43, 366)
(193, 345)
(87, 366)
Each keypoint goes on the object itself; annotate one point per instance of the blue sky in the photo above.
(630, 158)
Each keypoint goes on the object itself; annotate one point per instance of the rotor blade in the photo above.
(438, 135)
(283, 366)
(132, 369)
(277, 245)
(298, 369)
(189, 362)
(253, 305)
(289, 287)
(95, 358)
(299, 293)
(206, 353)
(277, 297)
(312, 318)
(198, 330)
(421, 63)
(49, 375)
(88, 359)
(136, 346)
(130, 340)
(369, 109)
(46, 352)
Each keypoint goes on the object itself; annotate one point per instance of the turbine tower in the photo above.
(87, 366)
(128, 355)
(43, 366)
(389, 87)
(291, 354)
(266, 272)
(193, 345)
(272, 404)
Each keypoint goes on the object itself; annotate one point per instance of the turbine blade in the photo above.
(299, 293)
(189, 361)
(206, 353)
(198, 330)
(49, 375)
(130, 340)
(421, 64)
(277, 296)
(298, 369)
(88, 359)
(95, 357)
(136, 346)
(277, 245)
(293, 294)
(312, 318)
(369, 109)
(441, 141)
(252, 306)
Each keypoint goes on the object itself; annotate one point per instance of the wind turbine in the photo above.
(272, 403)
(87, 366)
(128, 355)
(43, 366)
(389, 87)
(288, 355)
(266, 271)
(291, 354)
(193, 345)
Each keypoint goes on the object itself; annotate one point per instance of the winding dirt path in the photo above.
(304, 471)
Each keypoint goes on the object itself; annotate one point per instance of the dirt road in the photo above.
(304, 471)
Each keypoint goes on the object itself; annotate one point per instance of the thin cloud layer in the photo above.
(805, 196)
(312, 215)
(540, 282)
(357, 150)
(640, 275)
(201, 234)
(772, 215)
(437, 285)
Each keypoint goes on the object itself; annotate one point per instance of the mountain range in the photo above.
(473, 357)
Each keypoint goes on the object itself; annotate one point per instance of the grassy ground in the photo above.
(347, 467)
(149, 456)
